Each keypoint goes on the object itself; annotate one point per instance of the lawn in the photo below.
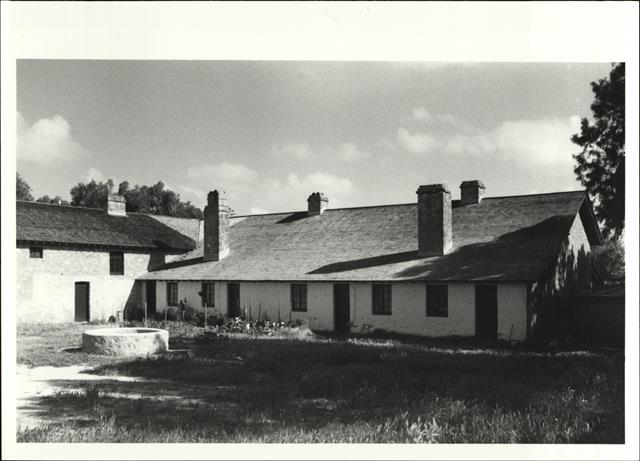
(234, 388)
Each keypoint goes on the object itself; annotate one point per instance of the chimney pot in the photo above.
(116, 205)
(471, 192)
(317, 203)
(435, 230)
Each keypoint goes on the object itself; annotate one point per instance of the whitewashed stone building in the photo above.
(495, 267)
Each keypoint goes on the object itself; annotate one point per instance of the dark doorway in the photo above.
(82, 301)
(233, 299)
(151, 297)
(341, 315)
(487, 311)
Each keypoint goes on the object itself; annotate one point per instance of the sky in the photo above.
(271, 132)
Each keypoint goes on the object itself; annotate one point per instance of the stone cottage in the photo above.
(493, 267)
(81, 264)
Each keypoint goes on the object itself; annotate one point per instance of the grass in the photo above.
(235, 388)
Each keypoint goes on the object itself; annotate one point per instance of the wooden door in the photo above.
(82, 301)
(341, 314)
(233, 300)
(487, 311)
(151, 297)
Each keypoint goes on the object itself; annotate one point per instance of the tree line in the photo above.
(155, 199)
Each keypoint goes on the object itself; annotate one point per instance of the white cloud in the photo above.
(291, 194)
(300, 151)
(193, 191)
(421, 114)
(223, 172)
(543, 141)
(95, 174)
(417, 143)
(350, 153)
(346, 151)
(257, 210)
(236, 180)
(46, 141)
(321, 182)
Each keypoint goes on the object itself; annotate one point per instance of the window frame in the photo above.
(170, 285)
(206, 294)
(113, 268)
(441, 313)
(376, 298)
(299, 299)
(36, 250)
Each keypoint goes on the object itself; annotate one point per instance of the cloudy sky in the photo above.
(270, 133)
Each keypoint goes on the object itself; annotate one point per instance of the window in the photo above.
(116, 263)
(381, 299)
(172, 293)
(299, 297)
(35, 252)
(437, 301)
(208, 294)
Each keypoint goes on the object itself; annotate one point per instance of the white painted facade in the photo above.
(46, 286)
(408, 314)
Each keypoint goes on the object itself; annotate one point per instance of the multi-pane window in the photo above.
(208, 294)
(437, 301)
(35, 252)
(172, 293)
(381, 299)
(299, 297)
(116, 263)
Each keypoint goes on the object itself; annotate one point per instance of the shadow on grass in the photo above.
(263, 390)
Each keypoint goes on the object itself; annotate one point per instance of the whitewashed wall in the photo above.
(46, 287)
(512, 311)
(408, 307)
(408, 311)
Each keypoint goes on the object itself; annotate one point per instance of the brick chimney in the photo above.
(471, 192)
(317, 203)
(216, 227)
(435, 234)
(116, 205)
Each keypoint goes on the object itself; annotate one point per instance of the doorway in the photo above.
(487, 311)
(82, 301)
(151, 296)
(233, 300)
(341, 314)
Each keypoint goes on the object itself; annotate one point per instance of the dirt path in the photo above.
(34, 383)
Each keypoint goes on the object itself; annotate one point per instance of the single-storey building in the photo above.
(492, 267)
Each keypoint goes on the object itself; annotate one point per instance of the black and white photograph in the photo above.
(258, 250)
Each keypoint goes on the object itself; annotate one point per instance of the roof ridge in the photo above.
(83, 208)
(66, 207)
(410, 203)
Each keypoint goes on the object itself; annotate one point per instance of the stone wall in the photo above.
(46, 287)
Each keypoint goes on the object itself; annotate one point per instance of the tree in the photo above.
(608, 263)
(23, 190)
(600, 165)
(57, 200)
(91, 195)
(153, 199)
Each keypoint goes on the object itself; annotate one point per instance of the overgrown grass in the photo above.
(244, 389)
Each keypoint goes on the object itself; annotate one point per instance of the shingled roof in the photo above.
(66, 225)
(504, 238)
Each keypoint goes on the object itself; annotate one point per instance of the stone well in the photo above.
(125, 341)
